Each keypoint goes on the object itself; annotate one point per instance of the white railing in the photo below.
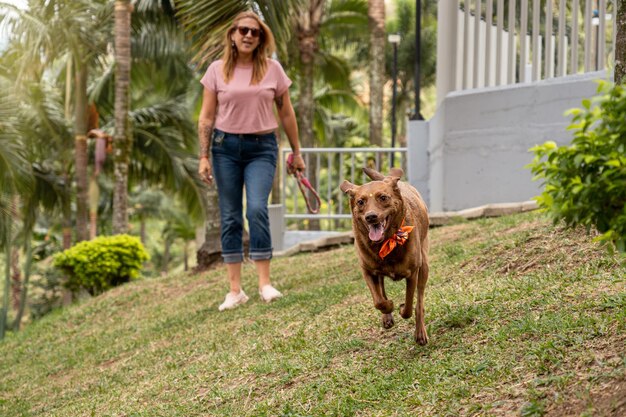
(327, 168)
(484, 43)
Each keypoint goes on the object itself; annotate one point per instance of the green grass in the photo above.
(523, 318)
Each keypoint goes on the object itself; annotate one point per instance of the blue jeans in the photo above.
(244, 161)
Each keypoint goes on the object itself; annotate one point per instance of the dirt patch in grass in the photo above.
(444, 235)
(535, 246)
(608, 399)
(598, 387)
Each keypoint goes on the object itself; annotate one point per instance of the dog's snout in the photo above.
(371, 217)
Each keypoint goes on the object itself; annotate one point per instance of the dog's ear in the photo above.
(393, 181)
(396, 172)
(347, 187)
(375, 175)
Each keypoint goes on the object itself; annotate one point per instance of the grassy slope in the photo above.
(523, 318)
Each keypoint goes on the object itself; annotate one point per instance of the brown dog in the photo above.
(390, 223)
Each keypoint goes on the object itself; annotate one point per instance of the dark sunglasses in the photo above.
(254, 32)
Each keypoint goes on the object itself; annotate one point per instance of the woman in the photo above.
(237, 124)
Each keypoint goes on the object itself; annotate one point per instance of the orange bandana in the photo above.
(399, 238)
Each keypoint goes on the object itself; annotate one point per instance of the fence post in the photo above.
(276, 214)
(447, 19)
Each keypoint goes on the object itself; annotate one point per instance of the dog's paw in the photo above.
(388, 321)
(421, 338)
(405, 313)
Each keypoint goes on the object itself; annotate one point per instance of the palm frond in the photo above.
(163, 153)
(207, 20)
(15, 174)
(156, 36)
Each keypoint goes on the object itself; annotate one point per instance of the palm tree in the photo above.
(122, 137)
(308, 26)
(30, 111)
(68, 30)
(163, 94)
(329, 36)
(376, 13)
(160, 104)
(15, 178)
(161, 114)
(48, 196)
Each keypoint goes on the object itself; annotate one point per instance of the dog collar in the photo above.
(401, 236)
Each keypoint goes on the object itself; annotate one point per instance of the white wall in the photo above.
(478, 140)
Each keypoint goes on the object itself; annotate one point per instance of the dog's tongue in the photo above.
(376, 232)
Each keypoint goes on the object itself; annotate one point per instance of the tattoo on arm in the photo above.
(205, 133)
(279, 102)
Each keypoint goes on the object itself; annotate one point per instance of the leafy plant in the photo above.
(585, 182)
(102, 263)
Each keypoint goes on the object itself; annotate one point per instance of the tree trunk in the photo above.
(308, 30)
(94, 200)
(16, 280)
(211, 250)
(185, 255)
(7, 280)
(80, 149)
(620, 43)
(67, 243)
(16, 275)
(24, 293)
(376, 14)
(122, 138)
(166, 257)
(309, 23)
(142, 230)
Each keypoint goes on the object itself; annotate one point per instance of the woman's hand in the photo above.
(297, 164)
(205, 171)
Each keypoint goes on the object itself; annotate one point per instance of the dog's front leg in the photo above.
(376, 286)
(421, 337)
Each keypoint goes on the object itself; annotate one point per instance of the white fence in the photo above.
(484, 43)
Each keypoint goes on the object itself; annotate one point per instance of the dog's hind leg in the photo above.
(406, 309)
(376, 285)
(421, 337)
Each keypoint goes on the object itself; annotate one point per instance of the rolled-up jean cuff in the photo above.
(232, 258)
(261, 256)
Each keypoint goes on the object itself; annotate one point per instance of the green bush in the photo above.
(585, 182)
(102, 263)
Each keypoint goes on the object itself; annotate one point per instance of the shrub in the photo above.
(102, 263)
(585, 182)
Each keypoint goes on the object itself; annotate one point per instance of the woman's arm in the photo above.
(205, 132)
(288, 119)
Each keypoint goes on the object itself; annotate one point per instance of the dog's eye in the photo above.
(383, 198)
(360, 202)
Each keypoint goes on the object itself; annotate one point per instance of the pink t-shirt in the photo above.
(242, 107)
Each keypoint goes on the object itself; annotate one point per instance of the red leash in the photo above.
(304, 184)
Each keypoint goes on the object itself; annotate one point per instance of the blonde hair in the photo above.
(262, 52)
